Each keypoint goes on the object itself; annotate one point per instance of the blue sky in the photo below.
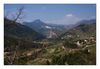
(53, 13)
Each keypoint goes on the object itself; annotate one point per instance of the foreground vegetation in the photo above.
(61, 52)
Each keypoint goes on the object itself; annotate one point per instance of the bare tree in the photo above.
(18, 15)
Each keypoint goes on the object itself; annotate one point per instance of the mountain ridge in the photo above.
(19, 30)
(81, 30)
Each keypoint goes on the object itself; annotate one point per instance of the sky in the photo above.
(52, 13)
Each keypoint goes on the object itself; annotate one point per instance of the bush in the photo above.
(70, 44)
(58, 59)
(76, 58)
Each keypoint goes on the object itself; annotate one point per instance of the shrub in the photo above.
(70, 44)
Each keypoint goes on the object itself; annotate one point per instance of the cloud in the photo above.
(66, 20)
(69, 15)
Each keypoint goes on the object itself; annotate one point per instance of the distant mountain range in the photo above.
(45, 29)
(81, 30)
(38, 26)
(86, 22)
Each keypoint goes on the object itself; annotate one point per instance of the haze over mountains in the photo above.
(44, 28)
(40, 29)
(82, 30)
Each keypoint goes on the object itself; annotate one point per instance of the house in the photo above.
(79, 43)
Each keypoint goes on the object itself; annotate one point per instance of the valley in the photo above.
(37, 43)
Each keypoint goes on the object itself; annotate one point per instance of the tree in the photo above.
(18, 14)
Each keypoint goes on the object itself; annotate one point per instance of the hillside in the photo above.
(44, 28)
(38, 26)
(18, 30)
(81, 31)
(18, 35)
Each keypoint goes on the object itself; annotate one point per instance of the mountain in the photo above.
(38, 26)
(19, 31)
(86, 22)
(83, 30)
(48, 30)
(19, 36)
